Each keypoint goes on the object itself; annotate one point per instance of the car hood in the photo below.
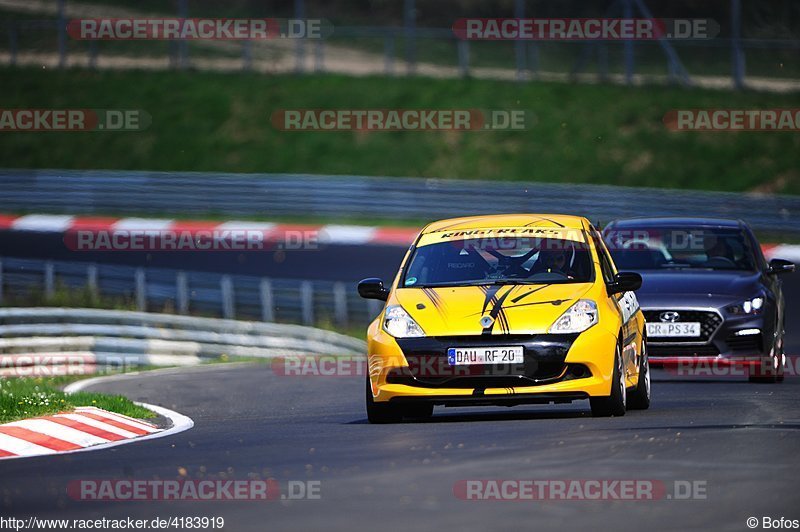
(687, 287)
(514, 309)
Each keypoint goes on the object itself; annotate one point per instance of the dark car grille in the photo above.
(544, 361)
(682, 350)
(709, 322)
(749, 344)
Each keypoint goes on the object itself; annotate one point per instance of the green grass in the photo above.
(22, 398)
(582, 133)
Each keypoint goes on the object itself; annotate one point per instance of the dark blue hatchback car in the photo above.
(708, 294)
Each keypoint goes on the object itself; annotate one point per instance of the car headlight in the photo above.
(749, 306)
(399, 324)
(577, 318)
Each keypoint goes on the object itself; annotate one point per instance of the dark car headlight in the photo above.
(751, 306)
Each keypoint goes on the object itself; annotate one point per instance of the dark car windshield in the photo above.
(654, 248)
(515, 260)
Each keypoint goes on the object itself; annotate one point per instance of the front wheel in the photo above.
(382, 413)
(639, 398)
(614, 404)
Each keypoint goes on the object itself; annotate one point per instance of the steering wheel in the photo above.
(722, 261)
(511, 266)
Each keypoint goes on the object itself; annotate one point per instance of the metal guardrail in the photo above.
(265, 195)
(58, 336)
(198, 293)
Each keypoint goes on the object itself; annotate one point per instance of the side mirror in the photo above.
(373, 288)
(625, 282)
(780, 266)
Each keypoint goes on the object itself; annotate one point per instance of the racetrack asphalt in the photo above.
(739, 441)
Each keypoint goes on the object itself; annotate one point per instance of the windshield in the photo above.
(516, 260)
(680, 248)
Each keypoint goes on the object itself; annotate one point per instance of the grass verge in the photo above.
(22, 398)
(582, 133)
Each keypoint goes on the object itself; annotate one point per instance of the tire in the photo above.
(614, 404)
(770, 375)
(382, 413)
(639, 398)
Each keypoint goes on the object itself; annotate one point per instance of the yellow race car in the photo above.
(506, 310)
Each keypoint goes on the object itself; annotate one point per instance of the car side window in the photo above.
(605, 262)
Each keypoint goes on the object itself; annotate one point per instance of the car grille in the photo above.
(682, 350)
(750, 343)
(709, 322)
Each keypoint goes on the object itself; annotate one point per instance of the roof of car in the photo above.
(671, 221)
(560, 221)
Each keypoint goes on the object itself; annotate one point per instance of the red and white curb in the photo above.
(84, 429)
(328, 234)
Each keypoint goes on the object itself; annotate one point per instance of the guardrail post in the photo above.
(181, 293)
(410, 34)
(141, 290)
(226, 287)
(49, 280)
(1, 282)
(91, 280)
(267, 305)
(737, 56)
(307, 302)
(340, 303)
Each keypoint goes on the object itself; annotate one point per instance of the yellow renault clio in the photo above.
(506, 310)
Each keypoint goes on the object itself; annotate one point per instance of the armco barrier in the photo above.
(106, 337)
(307, 302)
(266, 195)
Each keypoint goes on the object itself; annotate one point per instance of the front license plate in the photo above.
(688, 329)
(465, 356)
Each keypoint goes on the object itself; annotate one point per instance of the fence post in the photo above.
(319, 55)
(373, 308)
(247, 55)
(183, 44)
(409, 23)
(519, 45)
(533, 62)
(737, 56)
(463, 57)
(13, 38)
(92, 54)
(181, 293)
(226, 287)
(388, 53)
(307, 302)
(628, 43)
(91, 280)
(267, 305)
(62, 34)
(300, 44)
(1, 282)
(141, 290)
(49, 280)
(340, 303)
